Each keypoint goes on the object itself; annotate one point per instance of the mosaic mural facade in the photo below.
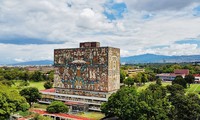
(87, 69)
(84, 76)
(113, 69)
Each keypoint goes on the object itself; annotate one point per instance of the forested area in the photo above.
(9, 76)
(154, 103)
(16, 96)
(7, 73)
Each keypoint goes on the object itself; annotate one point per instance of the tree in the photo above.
(156, 106)
(24, 83)
(10, 102)
(7, 82)
(37, 76)
(189, 79)
(144, 78)
(25, 76)
(31, 94)
(128, 104)
(151, 76)
(186, 107)
(179, 80)
(48, 85)
(51, 76)
(129, 81)
(138, 78)
(40, 117)
(122, 104)
(57, 107)
(159, 81)
(175, 88)
(122, 76)
(2, 78)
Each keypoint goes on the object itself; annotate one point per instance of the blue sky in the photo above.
(189, 41)
(114, 11)
(31, 30)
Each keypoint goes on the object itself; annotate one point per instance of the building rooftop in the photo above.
(48, 90)
(196, 75)
(63, 115)
(181, 71)
(89, 44)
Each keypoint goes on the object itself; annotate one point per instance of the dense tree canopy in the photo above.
(40, 117)
(185, 107)
(57, 107)
(159, 81)
(122, 107)
(129, 81)
(128, 104)
(48, 85)
(31, 94)
(154, 103)
(122, 76)
(22, 74)
(37, 76)
(10, 102)
(189, 79)
(180, 80)
(144, 78)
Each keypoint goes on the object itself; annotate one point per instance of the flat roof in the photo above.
(169, 74)
(52, 90)
(85, 48)
(63, 115)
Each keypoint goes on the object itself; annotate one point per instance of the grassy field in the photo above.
(92, 115)
(143, 87)
(40, 106)
(194, 88)
(39, 85)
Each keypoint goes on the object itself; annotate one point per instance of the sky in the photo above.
(31, 29)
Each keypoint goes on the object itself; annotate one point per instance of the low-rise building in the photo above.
(197, 78)
(172, 76)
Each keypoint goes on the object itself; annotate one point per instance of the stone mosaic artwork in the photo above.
(86, 68)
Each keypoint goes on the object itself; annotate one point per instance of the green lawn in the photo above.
(39, 85)
(166, 83)
(40, 106)
(194, 88)
(143, 87)
(92, 115)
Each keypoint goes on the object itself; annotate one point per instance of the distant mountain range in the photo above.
(145, 58)
(151, 58)
(32, 63)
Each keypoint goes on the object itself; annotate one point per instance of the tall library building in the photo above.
(84, 77)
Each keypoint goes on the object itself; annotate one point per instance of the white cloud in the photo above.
(176, 49)
(21, 53)
(74, 21)
(157, 5)
(19, 60)
(90, 20)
